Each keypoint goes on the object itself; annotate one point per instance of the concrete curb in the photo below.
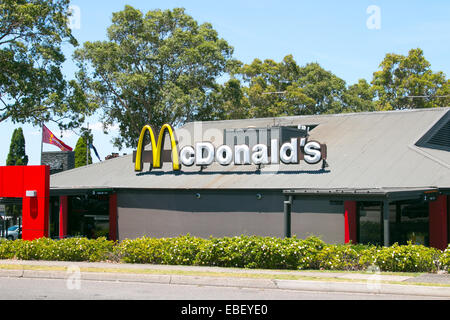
(300, 285)
(367, 288)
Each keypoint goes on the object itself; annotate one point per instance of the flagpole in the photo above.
(42, 140)
(87, 145)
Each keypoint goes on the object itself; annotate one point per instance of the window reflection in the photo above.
(370, 223)
(88, 216)
(408, 221)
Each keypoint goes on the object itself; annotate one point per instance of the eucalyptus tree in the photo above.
(32, 86)
(154, 68)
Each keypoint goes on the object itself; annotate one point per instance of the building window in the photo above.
(409, 222)
(370, 224)
(88, 216)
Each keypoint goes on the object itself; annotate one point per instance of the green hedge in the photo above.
(73, 249)
(242, 252)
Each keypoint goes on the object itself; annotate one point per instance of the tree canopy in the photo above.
(407, 82)
(156, 68)
(82, 149)
(32, 86)
(16, 155)
(270, 89)
(163, 67)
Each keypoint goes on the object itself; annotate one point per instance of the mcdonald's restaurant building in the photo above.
(379, 177)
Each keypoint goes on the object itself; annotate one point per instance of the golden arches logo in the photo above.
(157, 147)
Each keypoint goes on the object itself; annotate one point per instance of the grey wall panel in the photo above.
(327, 226)
(318, 218)
(162, 213)
(135, 223)
(209, 201)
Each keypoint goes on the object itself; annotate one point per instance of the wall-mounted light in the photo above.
(198, 195)
(31, 193)
(258, 196)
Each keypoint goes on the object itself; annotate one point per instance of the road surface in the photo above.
(59, 289)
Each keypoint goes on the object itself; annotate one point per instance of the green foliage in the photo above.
(16, 155)
(32, 85)
(407, 82)
(272, 89)
(338, 257)
(155, 68)
(73, 249)
(238, 252)
(445, 259)
(359, 97)
(406, 258)
(260, 252)
(81, 149)
(178, 251)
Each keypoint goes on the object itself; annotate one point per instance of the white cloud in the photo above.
(98, 126)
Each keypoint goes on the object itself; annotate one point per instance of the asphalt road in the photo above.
(58, 289)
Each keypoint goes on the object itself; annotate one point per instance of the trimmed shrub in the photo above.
(239, 252)
(445, 260)
(182, 250)
(406, 258)
(73, 249)
(82, 249)
(260, 252)
(7, 249)
(141, 250)
(339, 257)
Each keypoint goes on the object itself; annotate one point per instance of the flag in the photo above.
(49, 137)
(91, 146)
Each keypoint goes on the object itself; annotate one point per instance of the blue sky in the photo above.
(333, 33)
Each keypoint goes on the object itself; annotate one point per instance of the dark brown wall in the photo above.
(223, 213)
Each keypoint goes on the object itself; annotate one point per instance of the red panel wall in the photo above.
(63, 203)
(351, 222)
(1, 180)
(12, 178)
(438, 223)
(15, 181)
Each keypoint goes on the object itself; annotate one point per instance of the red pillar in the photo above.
(113, 217)
(35, 210)
(63, 202)
(438, 223)
(350, 222)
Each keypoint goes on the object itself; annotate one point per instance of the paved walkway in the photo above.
(436, 284)
(212, 270)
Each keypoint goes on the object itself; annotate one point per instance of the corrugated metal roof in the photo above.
(365, 150)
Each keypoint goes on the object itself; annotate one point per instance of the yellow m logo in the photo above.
(157, 148)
